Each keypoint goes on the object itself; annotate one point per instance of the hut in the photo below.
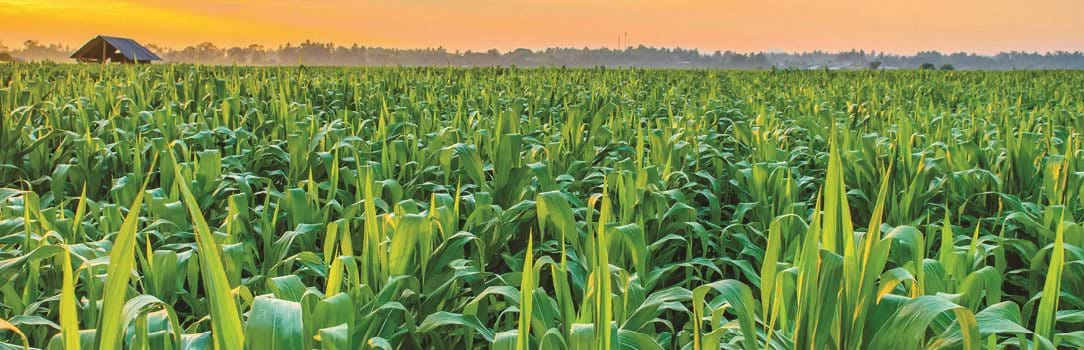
(102, 49)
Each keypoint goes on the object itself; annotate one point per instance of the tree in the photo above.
(36, 51)
(327, 53)
(156, 49)
(5, 56)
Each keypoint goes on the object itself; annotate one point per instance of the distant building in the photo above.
(102, 49)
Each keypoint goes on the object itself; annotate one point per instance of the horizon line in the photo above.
(505, 50)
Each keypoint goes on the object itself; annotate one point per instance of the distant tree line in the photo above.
(320, 53)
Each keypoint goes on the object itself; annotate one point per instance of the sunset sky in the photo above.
(983, 26)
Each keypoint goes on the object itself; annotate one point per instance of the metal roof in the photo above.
(127, 47)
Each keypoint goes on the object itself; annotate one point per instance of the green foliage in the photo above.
(192, 207)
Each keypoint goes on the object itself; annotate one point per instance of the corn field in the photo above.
(195, 207)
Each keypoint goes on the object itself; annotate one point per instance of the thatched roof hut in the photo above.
(103, 49)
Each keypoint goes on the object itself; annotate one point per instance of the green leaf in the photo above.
(274, 324)
(915, 316)
(225, 319)
(442, 319)
(69, 319)
(121, 262)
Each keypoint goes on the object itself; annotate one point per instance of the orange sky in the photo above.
(743, 25)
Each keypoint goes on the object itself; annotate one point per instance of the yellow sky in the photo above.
(742, 25)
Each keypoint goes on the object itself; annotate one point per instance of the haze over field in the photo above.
(981, 26)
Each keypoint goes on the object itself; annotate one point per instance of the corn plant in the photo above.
(195, 207)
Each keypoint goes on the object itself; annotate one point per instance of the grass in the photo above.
(190, 207)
